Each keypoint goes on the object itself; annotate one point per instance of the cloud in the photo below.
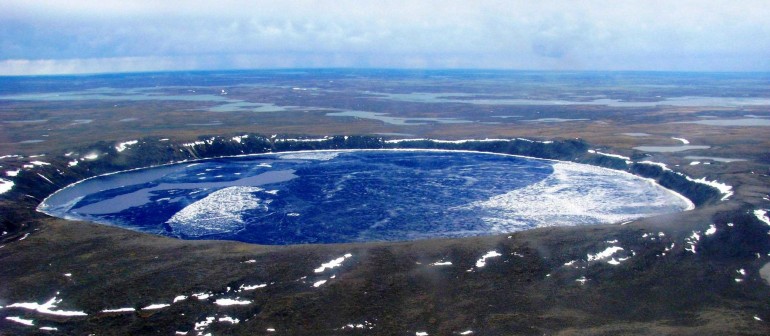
(594, 34)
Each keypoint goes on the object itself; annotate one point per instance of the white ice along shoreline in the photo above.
(237, 221)
(724, 189)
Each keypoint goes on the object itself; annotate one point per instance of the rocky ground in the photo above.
(697, 272)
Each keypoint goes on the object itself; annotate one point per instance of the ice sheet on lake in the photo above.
(220, 212)
(576, 195)
(315, 155)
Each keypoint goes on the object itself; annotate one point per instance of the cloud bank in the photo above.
(78, 36)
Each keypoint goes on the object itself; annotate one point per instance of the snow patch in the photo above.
(200, 326)
(5, 186)
(119, 310)
(762, 216)
(683, 140)
(483, 261)
(692, 241)
(47, 307)
(20, 320)
(332, 264)
(607, 253)
(319, 283)
(124, 145)
(253, 287)
(229, 319)
(231, 302)
(240, 138)
(156, 306)
(711, 230)
(441, 263)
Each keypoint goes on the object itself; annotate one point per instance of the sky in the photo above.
(79, 36)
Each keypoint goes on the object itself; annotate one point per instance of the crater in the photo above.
(342, 196)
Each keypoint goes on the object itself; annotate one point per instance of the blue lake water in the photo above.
(359, 196)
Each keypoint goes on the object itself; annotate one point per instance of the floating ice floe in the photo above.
(319, 283)
(119, 310)
(270, 329)
(231, 302)
(442, 263)
(49, 328)
(467, 332)
(124, 145)
(72, 163)
(483, 261)
(332, 264)
(219, 212)
(12, 173)
(576, 194)
(179, 298)
(47, 307)
(421, 333)
(250, 261)
(91, 156)
(20, 320)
